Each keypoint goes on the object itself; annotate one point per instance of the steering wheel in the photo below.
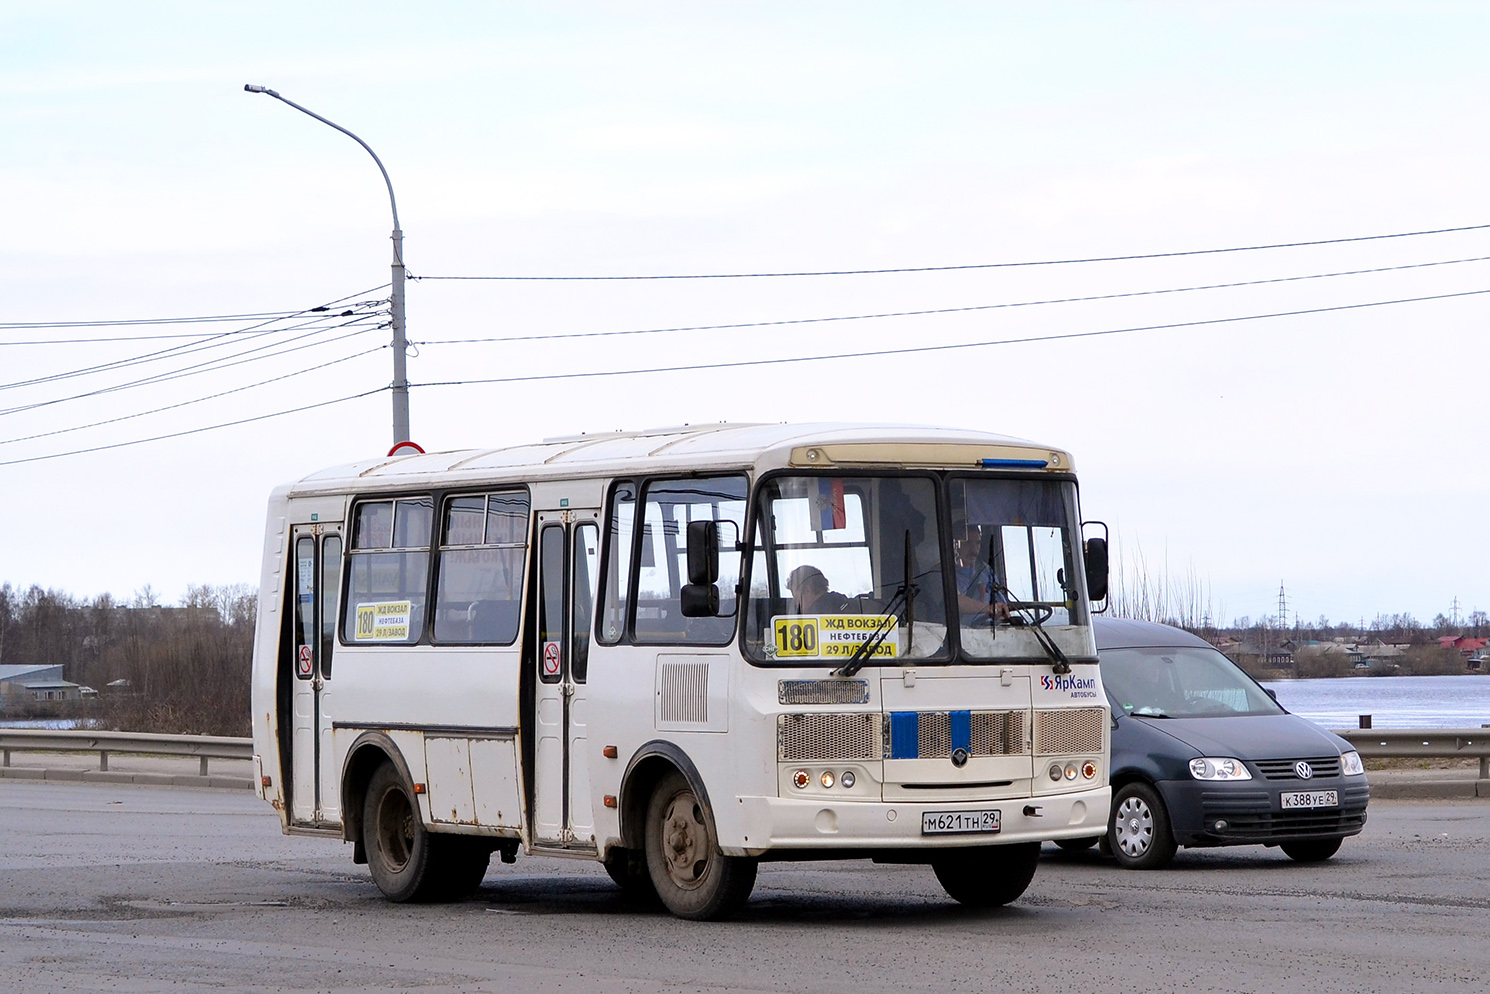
(1022, 614)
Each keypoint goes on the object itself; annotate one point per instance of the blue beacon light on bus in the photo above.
(1014, 463)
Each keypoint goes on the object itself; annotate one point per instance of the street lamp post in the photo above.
(400, 344)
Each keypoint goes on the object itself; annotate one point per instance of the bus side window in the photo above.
(669, 505)
(586, 571)
(388, 569)
(330, 589)
(483, 547)
(616, 576)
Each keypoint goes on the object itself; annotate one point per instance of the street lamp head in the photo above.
(254, 88)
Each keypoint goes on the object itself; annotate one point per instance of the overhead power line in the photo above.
(938, 310)
(194, 400)
(202, 344)
(212, 365)
(204, 319)
(194, 431)
(979, 265)
(910, 350)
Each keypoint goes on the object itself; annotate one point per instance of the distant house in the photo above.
(12, 673)
(1466, 645)
(24, 686)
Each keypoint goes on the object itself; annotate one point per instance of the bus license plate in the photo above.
(1311, 799)
(957, 822)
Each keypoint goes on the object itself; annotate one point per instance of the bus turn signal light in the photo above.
(609, 752)
(609, 800)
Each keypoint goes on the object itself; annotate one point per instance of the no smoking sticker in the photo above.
(303, 664)
(550, 659)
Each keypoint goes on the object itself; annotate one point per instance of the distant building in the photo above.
(23, 686)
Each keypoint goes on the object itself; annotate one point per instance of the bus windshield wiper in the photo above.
(887, 623)
(1029, 616)
(906, 595)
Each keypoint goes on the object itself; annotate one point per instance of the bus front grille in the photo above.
(938, 734)
(804, 737)
(1069, 731)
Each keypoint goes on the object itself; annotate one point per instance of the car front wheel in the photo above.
(1138, 832)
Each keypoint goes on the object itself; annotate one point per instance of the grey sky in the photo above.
(1343, 453)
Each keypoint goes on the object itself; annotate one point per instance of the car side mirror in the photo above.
(1096, 568)
(1271, 693)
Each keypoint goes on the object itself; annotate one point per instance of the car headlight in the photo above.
(1207, 768)
(1351, 765)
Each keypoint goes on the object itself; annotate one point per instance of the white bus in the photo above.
(683, 651)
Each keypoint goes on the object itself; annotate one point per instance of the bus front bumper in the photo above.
(772, 823)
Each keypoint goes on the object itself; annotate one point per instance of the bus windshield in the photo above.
(841, 560)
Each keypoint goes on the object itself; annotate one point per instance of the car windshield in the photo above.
(1181, 682)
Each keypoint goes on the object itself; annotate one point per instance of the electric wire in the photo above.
(195, 400)
(981, 265)
(213, 365)
(194, 431)
(176, 351)
(910, 350)
(126, 322)
(939, 310)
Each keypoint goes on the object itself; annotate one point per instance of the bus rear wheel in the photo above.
(693, 879)
(407, 862)
(988, 876)
(628, 868)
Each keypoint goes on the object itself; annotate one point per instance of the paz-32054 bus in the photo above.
(684, 651)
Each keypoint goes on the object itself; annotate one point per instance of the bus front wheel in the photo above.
(988, 876)
(407, 862)
(693, 879)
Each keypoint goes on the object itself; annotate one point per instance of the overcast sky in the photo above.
(1341, 453)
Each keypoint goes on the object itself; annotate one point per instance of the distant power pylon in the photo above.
(1282, 607)
(1454, 613)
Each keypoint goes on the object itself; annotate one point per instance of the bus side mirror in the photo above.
(1096, 568)
(699, 600)
(700, 596)
(703, 552)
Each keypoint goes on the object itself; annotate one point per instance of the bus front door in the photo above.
(568, 569)
(314, 799)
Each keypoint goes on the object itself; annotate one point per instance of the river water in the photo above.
(1392, 701)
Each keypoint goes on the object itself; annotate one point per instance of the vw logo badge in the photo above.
(1303, 770)
(959, 757)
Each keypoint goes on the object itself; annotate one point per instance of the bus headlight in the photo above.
(1208, 768)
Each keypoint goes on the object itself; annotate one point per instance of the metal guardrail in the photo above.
(1422, 743)
(203, 747)
(1371, 743)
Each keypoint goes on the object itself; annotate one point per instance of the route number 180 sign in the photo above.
(832, 636)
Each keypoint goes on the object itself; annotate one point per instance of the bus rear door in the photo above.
(314, 797)
(568, 570)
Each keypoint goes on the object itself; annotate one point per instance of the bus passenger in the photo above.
(810, 588)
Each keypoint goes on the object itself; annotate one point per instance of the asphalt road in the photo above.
(109, 887)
